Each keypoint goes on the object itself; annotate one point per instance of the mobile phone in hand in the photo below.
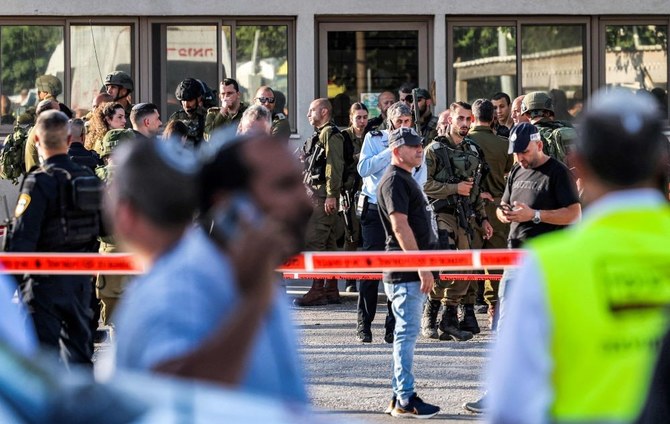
(227, 218)
(505, 207)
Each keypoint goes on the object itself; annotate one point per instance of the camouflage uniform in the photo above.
(195, 124)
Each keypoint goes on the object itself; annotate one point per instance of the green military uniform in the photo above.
(448, 164)
(280, 126)
(32, 157)
(428, 128)
(215, 119)
(194, 123)
(557, 138)
(110, 288)
(499, 162)
(352, 184)
(324, 180)
(377, 123)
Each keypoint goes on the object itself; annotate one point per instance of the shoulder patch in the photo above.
(22, 204)
(375, 133)
(279, 116)
(213, 110)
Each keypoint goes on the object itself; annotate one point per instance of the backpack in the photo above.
(558, 138)
(12, 154)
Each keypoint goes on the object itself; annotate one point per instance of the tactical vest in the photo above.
(608, 310)
(456, 165)
(78, 223)
(314, 154)
(12, 155)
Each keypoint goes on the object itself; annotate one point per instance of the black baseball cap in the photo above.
(404, 136)
(521, 136)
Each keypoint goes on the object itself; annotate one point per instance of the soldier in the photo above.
(455, 167)
(146, 121)
(31, 153)
(353, 141)
(47, 220)
(427, 121)
(503, 116)
(119, 85)
(384, 101)
(231, 110)
(557, 136)
(499, 163)
(48, 88)
(324, 160)
(280, 125)
(189, 92)
(109, 288)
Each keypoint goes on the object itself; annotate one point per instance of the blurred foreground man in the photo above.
(208, 308)
(409, 225)
(589, 305)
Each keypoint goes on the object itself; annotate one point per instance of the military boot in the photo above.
(429, 319)
(316, 296)
(332, 292)
(469, 320)
(449, 326)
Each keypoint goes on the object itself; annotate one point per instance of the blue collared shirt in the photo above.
(186, 296)
(375, 158)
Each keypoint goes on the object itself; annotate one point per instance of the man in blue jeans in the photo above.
(409, 225)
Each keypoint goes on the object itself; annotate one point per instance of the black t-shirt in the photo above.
(549, 186)
(398, 192)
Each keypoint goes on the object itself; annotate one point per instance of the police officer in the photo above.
(324, 160)
(189, 92)
(231, 110)
(58, 210)
(120, 85)
(455, 167)
(265, 97)
(77, 152)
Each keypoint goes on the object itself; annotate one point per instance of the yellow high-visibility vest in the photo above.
(608, 289)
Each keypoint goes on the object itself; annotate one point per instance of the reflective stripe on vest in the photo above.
(608, 282)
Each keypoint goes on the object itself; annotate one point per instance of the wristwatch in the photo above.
(536, 217)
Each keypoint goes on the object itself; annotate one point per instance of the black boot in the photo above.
(469, 321)
(449, 326)
(429, 319)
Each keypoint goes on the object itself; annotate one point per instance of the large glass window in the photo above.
(191, 53)
(361, 64)
(95, 51)
(27, 52)
(262, 59)
(552, 59)
(636, 57)
(484, 61)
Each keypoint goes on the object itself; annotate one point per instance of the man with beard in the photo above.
(189, 92)
(427, 121)
(384, 101)
(208, 307)
(455, 166)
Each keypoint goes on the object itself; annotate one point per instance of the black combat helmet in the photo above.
(121, 79)
(189, 89)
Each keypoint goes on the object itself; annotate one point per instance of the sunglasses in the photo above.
(265, 99)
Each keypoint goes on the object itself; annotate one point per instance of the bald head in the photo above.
(517, 117)
(320, 111)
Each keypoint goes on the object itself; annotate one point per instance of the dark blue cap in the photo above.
(521, 135)
(402, 136)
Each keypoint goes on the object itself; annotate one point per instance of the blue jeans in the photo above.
(407, 304)
(503, 292)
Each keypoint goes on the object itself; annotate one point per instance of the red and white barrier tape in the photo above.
(378, 276)
(330, 263)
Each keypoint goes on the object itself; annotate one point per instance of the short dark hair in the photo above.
(405, 89)
(464, 105)
(621, 138)
(482, 110)
(230, 81)
(500, 95)
(226, 170)
(145, 172)
(140, 111)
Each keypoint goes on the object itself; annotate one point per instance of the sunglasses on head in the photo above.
(266, 99)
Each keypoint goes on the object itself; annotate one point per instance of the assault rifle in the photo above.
(310, 176)
(347, 211)
(415, 101)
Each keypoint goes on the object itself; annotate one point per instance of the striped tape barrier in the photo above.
(378, 276)
(330, 263)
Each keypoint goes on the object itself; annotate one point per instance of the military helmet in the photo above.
(112, 139)
(189, 89)
(537, 100)
(50, 84)
(121, 79)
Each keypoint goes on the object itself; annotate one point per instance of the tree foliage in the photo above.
(26, 51)
(623, 36)
(272, 41)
